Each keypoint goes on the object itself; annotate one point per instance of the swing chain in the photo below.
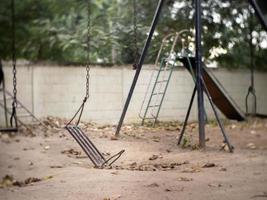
(135, 65)
(251, 89)
(14, 70)
(14, 55)
(88, 49)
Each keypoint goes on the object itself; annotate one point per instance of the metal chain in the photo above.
(13, 117)
(135, 34)
(88, 48)
(251, 89)
(14, 56)
(251, 49)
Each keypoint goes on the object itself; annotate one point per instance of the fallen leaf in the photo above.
(185, 179)
(223, 169)
(208, 165)
(192, 170)
(113, 137)
(71, 152)
(154, 157)
(7, 181)
(156, 139)
(214, 185)
(47, 147)
(31, 180)
(251, 146)
(56, 166)
(153, 185)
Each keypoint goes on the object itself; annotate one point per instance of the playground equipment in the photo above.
(152, 103)
(13, 118)
(200, 85)
(24, 115)
(219, 95)
(19, 113)
(260, 7)
(76, 132)
(211, 88)
(251, 96)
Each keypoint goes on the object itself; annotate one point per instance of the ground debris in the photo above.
(251, 146)
(215, 185)
(185, 179)
(223, 169)
(209, 165)
(156, 139)
(72, 153)
(153, 157)
(9, 181)
(113, 137)
(193, 169)
(151, 166)
(56, 166)
(264, 195)
(153, 185)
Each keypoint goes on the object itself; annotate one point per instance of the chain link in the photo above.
(88, 48)
(135, 34)
(14, 104)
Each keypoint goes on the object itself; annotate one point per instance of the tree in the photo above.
(57, 30)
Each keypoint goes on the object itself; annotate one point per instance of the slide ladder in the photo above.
(157, 89)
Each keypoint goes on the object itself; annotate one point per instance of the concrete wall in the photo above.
(59, 90)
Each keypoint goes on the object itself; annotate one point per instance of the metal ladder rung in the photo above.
(163, 81)
(160, 93)
(163, 69)
(154, 106)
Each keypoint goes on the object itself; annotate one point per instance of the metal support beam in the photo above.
(259, 14)
(140, 64)
(201, 115)
(187, 115)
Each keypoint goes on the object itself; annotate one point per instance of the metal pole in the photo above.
(187, 116)
(259, 13)
(201, 115)
(217, 117)
(140, 63)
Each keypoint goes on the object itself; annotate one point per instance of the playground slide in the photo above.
(217, 92)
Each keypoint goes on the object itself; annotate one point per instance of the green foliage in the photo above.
(57, 30)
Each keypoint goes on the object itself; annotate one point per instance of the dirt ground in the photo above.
(48, 164)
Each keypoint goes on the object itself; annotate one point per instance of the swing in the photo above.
(76, 132)
(251, 93)
(13, 118)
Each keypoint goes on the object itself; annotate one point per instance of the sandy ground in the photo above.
(153, 166)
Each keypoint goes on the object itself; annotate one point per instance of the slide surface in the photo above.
(217, 92)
